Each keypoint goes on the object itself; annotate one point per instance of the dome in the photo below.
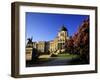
(63, 28)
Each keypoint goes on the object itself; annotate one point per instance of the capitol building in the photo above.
(54, 46)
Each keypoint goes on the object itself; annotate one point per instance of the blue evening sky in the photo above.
(45, 26)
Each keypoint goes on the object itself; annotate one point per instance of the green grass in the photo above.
(67, 55)
(43, 59)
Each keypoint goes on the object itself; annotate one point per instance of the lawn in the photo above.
(67, 55)
(60, 59)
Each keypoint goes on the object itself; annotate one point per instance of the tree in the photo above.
(79, 43)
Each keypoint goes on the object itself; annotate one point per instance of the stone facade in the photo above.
(57, 44)
(41, 46)
(28, 53)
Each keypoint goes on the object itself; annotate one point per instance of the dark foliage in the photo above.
(79, 42)
(35, 54)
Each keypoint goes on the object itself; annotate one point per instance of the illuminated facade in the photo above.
(58, 43)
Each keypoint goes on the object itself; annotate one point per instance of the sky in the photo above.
(45, 26)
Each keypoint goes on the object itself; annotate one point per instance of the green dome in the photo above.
(63, 28)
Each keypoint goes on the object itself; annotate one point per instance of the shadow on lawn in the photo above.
(78, 61)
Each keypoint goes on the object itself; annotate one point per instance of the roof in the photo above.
(63, 28)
